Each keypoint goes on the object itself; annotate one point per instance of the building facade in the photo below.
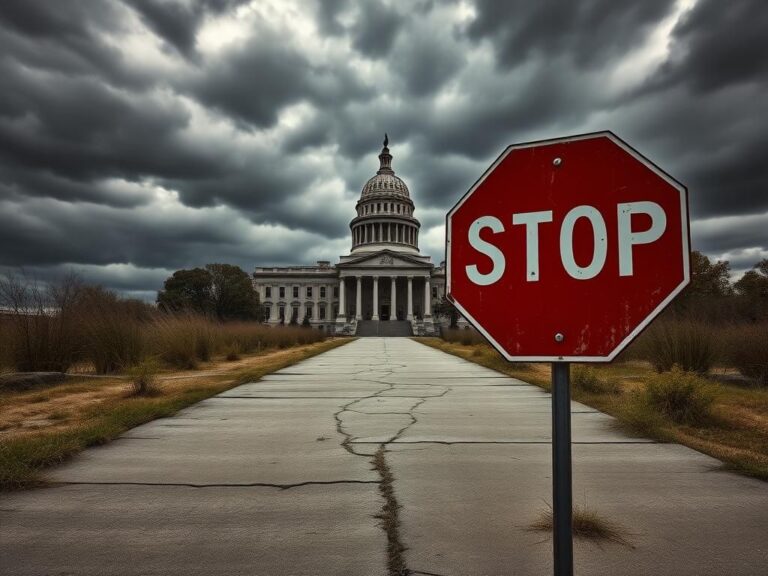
(383, 279)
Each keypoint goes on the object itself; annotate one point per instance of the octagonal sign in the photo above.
(566, 249)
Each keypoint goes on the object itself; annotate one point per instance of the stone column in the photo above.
(359, 299)
(393, 300)
(316, 303)
(410, 299)
(375, 298)
(427, 298)
(342, 304)
(302, 303)
(275, 300)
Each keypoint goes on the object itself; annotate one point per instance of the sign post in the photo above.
(562, 483)
(564, 251)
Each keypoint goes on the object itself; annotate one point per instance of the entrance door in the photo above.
(384, 312)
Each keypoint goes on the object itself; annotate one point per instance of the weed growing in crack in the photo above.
(390, 516)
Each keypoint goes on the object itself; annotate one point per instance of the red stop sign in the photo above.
(566, 249)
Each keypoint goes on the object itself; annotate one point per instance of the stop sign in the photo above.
(566, 249)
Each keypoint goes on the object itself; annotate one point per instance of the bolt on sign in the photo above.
(565, 249)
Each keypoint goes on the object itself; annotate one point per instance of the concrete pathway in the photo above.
(275, 478)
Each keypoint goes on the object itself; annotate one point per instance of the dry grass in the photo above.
(588, 525)
(42, 428)
(735, 429)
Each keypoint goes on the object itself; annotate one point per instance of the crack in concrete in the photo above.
(218, 485)
(389, 516)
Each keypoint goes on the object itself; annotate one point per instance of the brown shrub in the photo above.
(747, 350)
(690, 345)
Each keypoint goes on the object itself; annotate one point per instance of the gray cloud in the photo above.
(591, 32)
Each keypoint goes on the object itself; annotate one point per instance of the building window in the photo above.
(322, 291)
(309, 311)
(434, 291)
(322, 312)
(335, 291)
(295, 291)
(268, 292)
(309, 291)
(378, 207)
(282, 291)
(266, 312)
(281, 313)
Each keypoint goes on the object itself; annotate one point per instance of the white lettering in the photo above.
(600, 245)
(627, 238)
(496, 256)
(531, 221)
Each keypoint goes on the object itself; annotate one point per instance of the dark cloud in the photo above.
(718, 46)
(591, 32)
(376, 27)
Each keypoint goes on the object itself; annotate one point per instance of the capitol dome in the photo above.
(385, 212)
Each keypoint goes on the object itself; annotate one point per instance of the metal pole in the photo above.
(562, 489)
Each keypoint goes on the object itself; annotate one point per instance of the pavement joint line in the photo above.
(449, 442)
(217, 485)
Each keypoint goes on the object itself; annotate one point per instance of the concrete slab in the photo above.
(176, 530)
(470, 453)
(228, 441)
(466, 509)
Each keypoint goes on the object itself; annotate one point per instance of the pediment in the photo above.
(385, 259)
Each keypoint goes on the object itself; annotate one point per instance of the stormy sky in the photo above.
(142, 136)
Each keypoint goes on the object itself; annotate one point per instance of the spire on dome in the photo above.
(385, 158)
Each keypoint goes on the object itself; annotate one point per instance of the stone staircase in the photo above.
(383, 328)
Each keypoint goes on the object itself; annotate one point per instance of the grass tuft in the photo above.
(587, 524)
(144, 378)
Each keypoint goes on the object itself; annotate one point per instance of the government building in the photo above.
(384, 285)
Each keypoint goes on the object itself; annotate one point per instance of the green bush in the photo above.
(747, 350)
(690, 345)
(680, 396)
(588, 379)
